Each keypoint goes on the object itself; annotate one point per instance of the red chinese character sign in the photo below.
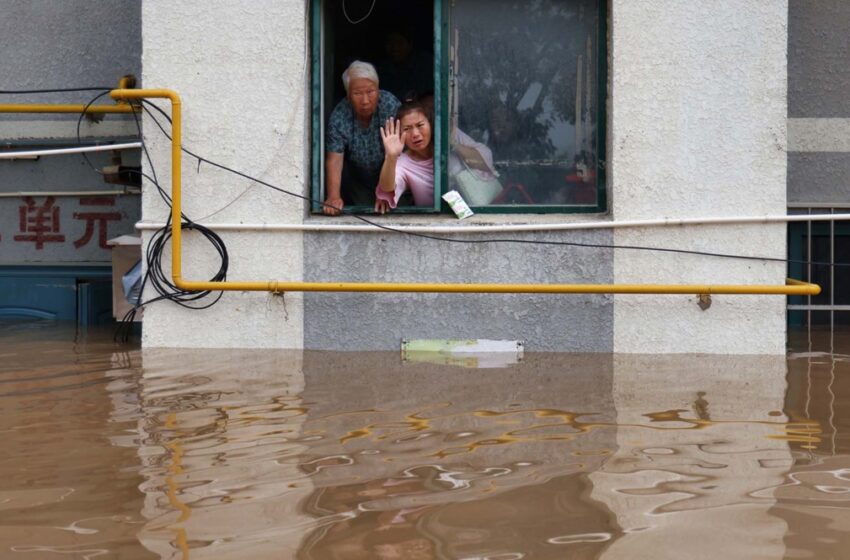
(59, 229)
(39, 223)
(98, 218)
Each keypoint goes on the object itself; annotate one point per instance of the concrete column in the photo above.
(241, 71)
(698, 128)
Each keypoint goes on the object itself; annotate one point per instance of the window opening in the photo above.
(397, 38)
(519, 94)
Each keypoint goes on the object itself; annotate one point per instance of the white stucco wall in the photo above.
(240, 70)
(697, 113)
(697, 127)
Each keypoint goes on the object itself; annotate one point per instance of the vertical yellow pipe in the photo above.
(127, 82)
(176, 166)
(176, 197)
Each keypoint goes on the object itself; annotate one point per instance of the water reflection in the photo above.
(424, 461)
(700, 446)
(114, 452)
(68, 486)
(814, 499)
(219, 451)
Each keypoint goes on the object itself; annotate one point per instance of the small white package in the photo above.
(458, 204)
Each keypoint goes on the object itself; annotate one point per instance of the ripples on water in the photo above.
(114, 452)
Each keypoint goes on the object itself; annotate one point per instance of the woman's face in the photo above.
(363, 96)
(418, 129)
(502, 124)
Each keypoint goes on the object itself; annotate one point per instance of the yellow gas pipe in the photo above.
(791, 287)
(50, 108)
(124, 82)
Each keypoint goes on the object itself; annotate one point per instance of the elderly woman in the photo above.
(355, 151)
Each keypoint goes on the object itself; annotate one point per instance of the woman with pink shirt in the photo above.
(408, 158)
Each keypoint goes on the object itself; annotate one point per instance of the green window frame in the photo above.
(442, 86)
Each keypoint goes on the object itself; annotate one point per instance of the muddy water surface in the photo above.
(114, 452)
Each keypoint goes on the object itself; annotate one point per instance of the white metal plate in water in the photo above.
(470, 353)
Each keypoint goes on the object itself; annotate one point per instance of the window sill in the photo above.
(449, 220)
(423, 223)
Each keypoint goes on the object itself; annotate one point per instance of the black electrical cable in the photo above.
(164, 195)
(154, 273)
(79, 136)
(479, 241)
(160, 281)
(202, 159)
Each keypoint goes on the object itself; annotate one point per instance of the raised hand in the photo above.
(393, 138)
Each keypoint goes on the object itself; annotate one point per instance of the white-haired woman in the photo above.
(355, 151)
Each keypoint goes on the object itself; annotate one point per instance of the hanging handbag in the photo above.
(475, 190)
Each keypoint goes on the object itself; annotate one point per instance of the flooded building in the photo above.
(579, 114)
(285, 425)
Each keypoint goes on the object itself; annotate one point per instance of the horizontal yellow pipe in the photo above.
(138, 94)
(53, 108)
(792, 287)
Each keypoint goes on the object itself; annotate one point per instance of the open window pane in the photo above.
(524, 124)
(398, 39)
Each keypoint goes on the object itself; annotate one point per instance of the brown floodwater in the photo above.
(111, 451)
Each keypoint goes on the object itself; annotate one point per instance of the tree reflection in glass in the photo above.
(525, 86)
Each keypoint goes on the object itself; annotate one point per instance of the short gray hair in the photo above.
(359, 69)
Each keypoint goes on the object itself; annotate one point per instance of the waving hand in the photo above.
(393, 138)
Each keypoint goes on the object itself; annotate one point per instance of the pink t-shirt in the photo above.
(415, 175)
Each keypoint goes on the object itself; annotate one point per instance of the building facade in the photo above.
(699, 109)
(696, 113)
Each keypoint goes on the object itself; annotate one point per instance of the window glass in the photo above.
(524, 102)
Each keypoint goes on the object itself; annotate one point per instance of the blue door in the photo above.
(72, 293)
